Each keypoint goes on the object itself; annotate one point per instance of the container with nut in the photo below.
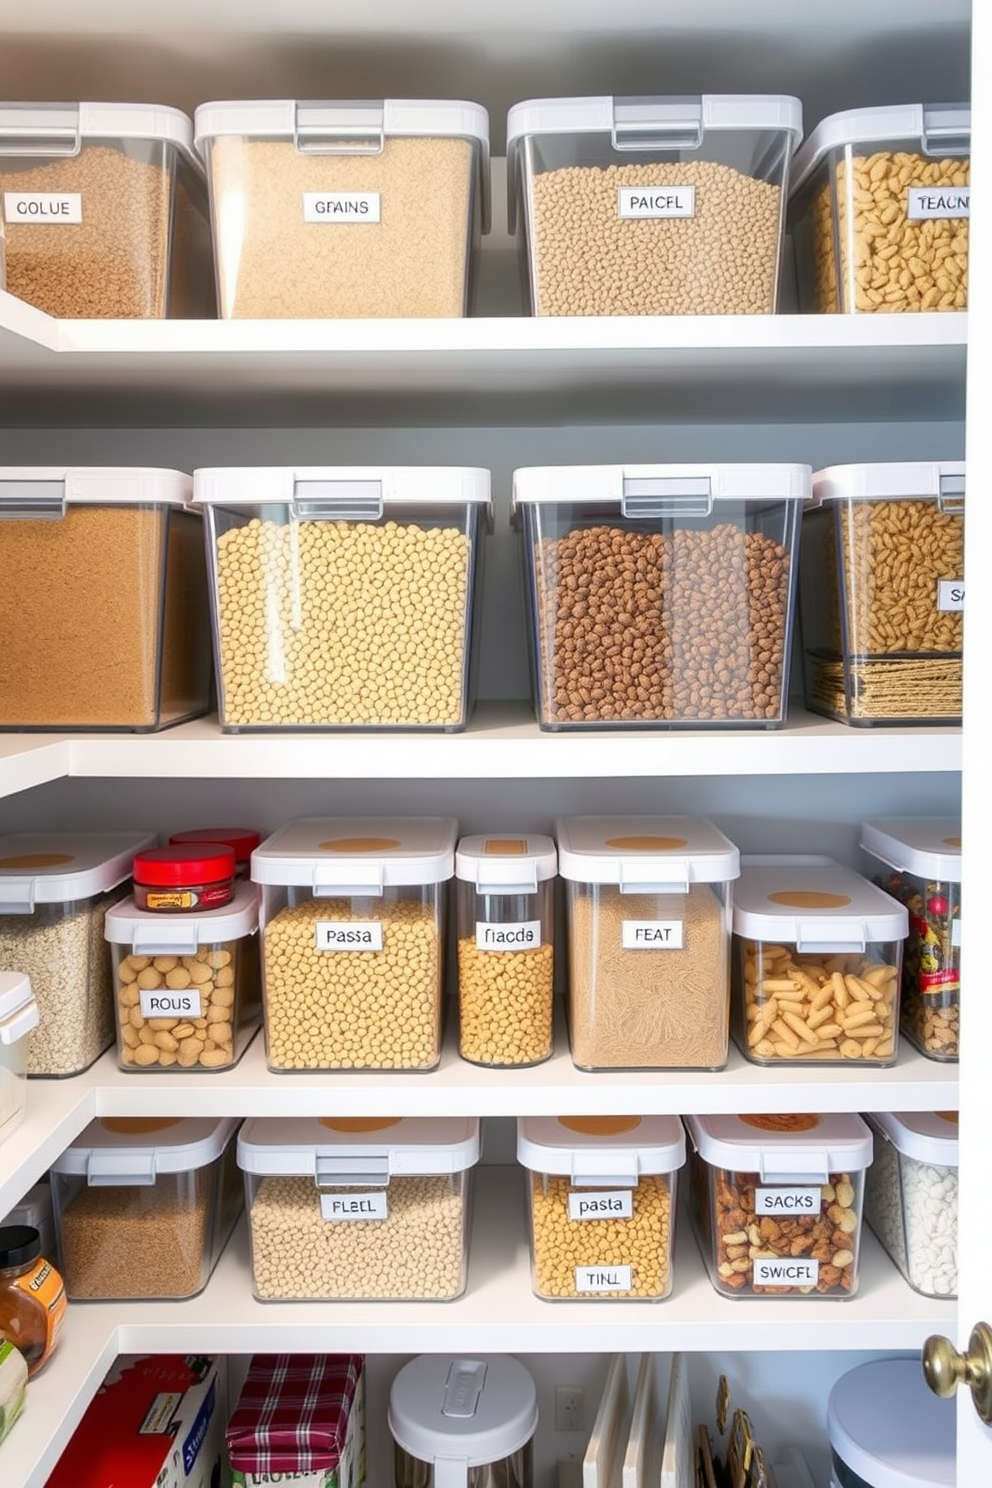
(353, 913)
(505, 888)
(345, 597)
(879, 206)
(358, 1207)
(817, 962)
(648, 902)
(660, 596)
(55, 889)
(911, 1196)
(186, 986)
(145, 1205)
(776, 1202)
(601, 1204)
(651, 206)
(881, 591)
(917, 859)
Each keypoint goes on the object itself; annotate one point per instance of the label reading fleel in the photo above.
(348, 935)
(614, 1204)
(524, 935)
(788, 1201)
(345, 1206)
(923, 202)
(950, 594)
(604, 1278)
(652, 935)
(165, 1003)
(55, 208)
(656, 201)
(785, 1272)
(342, 206)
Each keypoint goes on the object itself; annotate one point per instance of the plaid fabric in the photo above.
(292, 1414)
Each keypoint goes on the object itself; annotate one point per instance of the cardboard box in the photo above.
(300, 1423)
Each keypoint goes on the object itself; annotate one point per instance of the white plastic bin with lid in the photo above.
(145, 1205)
(881, 592)
(660, 595)
(106, 208)
(345, 596)
(911, 1196)
(353, 916)
(349, 1207)
(764, 1187)
(55, 889)
(871, 180)
(649, 906)
(817, 962)
(917, 859)
(35, 1209)
(187, 993)
(601, 1196)
(346, 207)
(18, 1019)
(464, 1422)
(888, 1430)
(652, 205)
(128, 644)
(505, 892)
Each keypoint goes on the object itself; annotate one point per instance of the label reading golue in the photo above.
(950, 594)
(652, 935)
(352, 1206)
(616, 1203)
(54, 208)
(788, 1200)
(656, 201)
(523, 935)
(785, 1271)
(604, 1278)
(348, 935)
(163, 1002)
(342, 207)
(929, 202)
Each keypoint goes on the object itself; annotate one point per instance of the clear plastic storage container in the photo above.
(888, 1430)
(127, 646)
(18, 1019)
(817, 962)
(776, 1202)
(651, 206)
(505, 888)
(649, 906)
(186, 986)
(601, 1204)
(358, 1207)
(660, 595)
(145, 1205)
(911, 1196)
(463, 1422)
(346, 207)
(917, 859)
(354, 912)
(106, 208)
(55, 889)
(35, 1210)
(881, 593)
(879, 204)
(345, 597)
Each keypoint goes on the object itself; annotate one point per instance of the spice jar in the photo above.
(243, 841)
(178, 878)
(32, 1297)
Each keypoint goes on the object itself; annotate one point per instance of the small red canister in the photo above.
(243, 840)
(184, 877)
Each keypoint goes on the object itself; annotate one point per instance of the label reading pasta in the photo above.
(950, 594)
(656, 201)
(788, 1200)
(923, 202)
(652, 935)
(344, 1207)
(342, 207)
(785, 1272)
(524, 935)
(163, 1003)
(604, 1278)
(56, 208)
(615, 1204)
(348, 935)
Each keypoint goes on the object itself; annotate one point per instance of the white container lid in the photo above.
(64, 127)
(927, 1136)
(665, 490)
(645, 854)
(783, 1148)
(601, 115)
(939, 130)
(135, 1150)
(601, 1149)
(358, 490)
(813, 903)
(889, 1428)
(458, 1413)
(929, 846)
(59, 867)
(180, 934)
(380, 1147)
(358, 855)
(18, 1009)
(507, 862)
(51, 486)
(928, 480)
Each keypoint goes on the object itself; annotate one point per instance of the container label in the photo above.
(950, 594)
(785, 1272)
(604, 1278)
(349, 935)
(788, 1201)
(165, 1003)
(652, 935)
(938, 201)
(656, 201)
(346, 1207)
(342, 206)
(523, 935)
(614, 1204)
(53, 207)
(44, 1286)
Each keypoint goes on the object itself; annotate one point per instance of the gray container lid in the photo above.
(458, 1413)
(886, 1426)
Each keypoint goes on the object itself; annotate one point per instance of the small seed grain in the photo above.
(505, 1004)
(138, 1242)
(563, 1245)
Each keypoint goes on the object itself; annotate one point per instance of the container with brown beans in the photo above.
(660, 595)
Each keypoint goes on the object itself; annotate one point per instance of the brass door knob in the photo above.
(944, 1368)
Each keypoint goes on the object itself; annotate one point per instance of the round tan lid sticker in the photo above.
(949, 1116)
(37, 860)
(782, 1123)
(599, 1126)
(808, 899)
(505, 847)
(358, 1123)
(647, 844)
(359, 844)
(952, 841)
(136, 1126)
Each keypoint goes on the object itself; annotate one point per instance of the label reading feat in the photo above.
(924, 202)
(787, 1201)
(342, 206)
(785, 1272)
(950, 594)
(656, 201)
(604, 1278)
(163, 1003)
(524, 935)
(348, 935)
(652, 935)
(55, 208)
(615, 1204)
(344, 1206)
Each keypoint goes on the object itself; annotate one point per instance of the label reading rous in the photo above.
(348, 935)
(165, 1003)
(523, 935)
(923, 202)
(342, 207)
(787, 1201)
(56, 208)
(343, 1207)
(652, 935)
(615, 1204)
(784, 1271)
(656, 201)
(950, 594)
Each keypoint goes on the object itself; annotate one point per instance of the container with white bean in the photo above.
(911, 1196)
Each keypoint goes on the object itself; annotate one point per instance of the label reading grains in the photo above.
(345, 935)
(163, 1003)
(344, 1207)
(787, 1272)
(950, 594)
(523, 935)
(604, 1278)
(656, 201)
(787, 1201)
(54, 207)
(342, 206)
(652, 935)
(611, 1205)
(938, 201)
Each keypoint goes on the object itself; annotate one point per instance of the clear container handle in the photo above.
(353, 128)
(666, 496)
(950, 501)
(943, 133)
(339, 1171)
(337, 500)
(32, 501)
(641, 123)
(32, 130)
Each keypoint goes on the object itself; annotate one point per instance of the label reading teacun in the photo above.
(787, 1201)
(614, 1204)
(950, 594)
(523, 935)
(652, 935)
(923, 202)
(348, 935)
(56, 208)
(342, 206)
(604, 1278)
(656, 201)
(165, 1003)
(785, 1272)
(337, 1206)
